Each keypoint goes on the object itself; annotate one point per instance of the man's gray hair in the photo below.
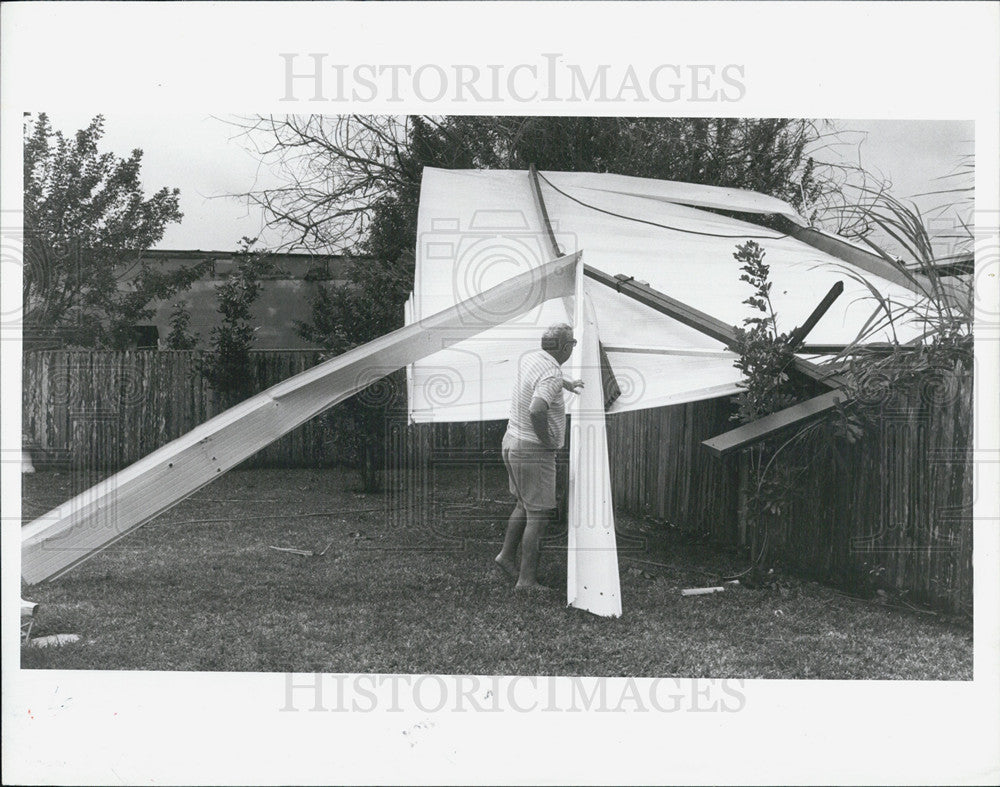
(556, 336)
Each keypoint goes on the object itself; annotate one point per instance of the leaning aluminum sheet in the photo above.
(79, 528)
(592, 581)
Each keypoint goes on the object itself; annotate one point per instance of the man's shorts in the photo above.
(532, 472)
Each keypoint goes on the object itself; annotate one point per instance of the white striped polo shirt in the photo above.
(539, 375)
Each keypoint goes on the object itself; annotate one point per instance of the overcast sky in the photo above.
(207, 160)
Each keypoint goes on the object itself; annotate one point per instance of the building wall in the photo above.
(285, 295)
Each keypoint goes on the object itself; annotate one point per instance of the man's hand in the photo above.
(573, 386)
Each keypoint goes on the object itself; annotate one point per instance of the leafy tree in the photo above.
(765, 355)
(179, 337)
(227, 368)
(765, 155)
(87, 223)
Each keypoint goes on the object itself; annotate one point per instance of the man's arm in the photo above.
(539, 412)
(572, 385)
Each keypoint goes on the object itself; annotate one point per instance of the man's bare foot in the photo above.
(533, 586)
(508, 566)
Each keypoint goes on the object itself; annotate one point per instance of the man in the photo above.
(535, 431)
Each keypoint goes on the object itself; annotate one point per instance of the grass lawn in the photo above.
(200, 589)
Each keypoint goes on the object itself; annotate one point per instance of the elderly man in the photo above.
(535, 431)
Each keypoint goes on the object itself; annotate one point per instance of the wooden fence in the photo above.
(895, 513)
(659, 467)
(106, 410)
(100, 411)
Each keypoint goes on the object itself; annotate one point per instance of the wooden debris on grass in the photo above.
(709, 590)
(304, 552)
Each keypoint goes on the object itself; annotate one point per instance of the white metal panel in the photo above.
(89, 522)
(699, 269)
(476, 227)
(693, 194)
(592, 581)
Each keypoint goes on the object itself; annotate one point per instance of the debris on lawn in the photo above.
(304, 552)
(292, 550)
(709, 590)
(701, 591)
(672, 566)
(356, 536)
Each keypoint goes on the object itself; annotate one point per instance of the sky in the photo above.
(208, 159)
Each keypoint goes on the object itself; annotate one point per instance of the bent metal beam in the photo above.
(699, 320)
(723, 444)
(609, 383)
(742, 436)
(66, 536)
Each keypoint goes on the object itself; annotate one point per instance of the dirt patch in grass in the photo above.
(409, 586)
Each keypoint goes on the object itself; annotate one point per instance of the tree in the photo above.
(765, 359)
(352, 185)
(765, 355)
(227, 367)
(179, 337)
(86, 224)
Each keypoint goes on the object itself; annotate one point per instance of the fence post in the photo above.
(743, 494)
